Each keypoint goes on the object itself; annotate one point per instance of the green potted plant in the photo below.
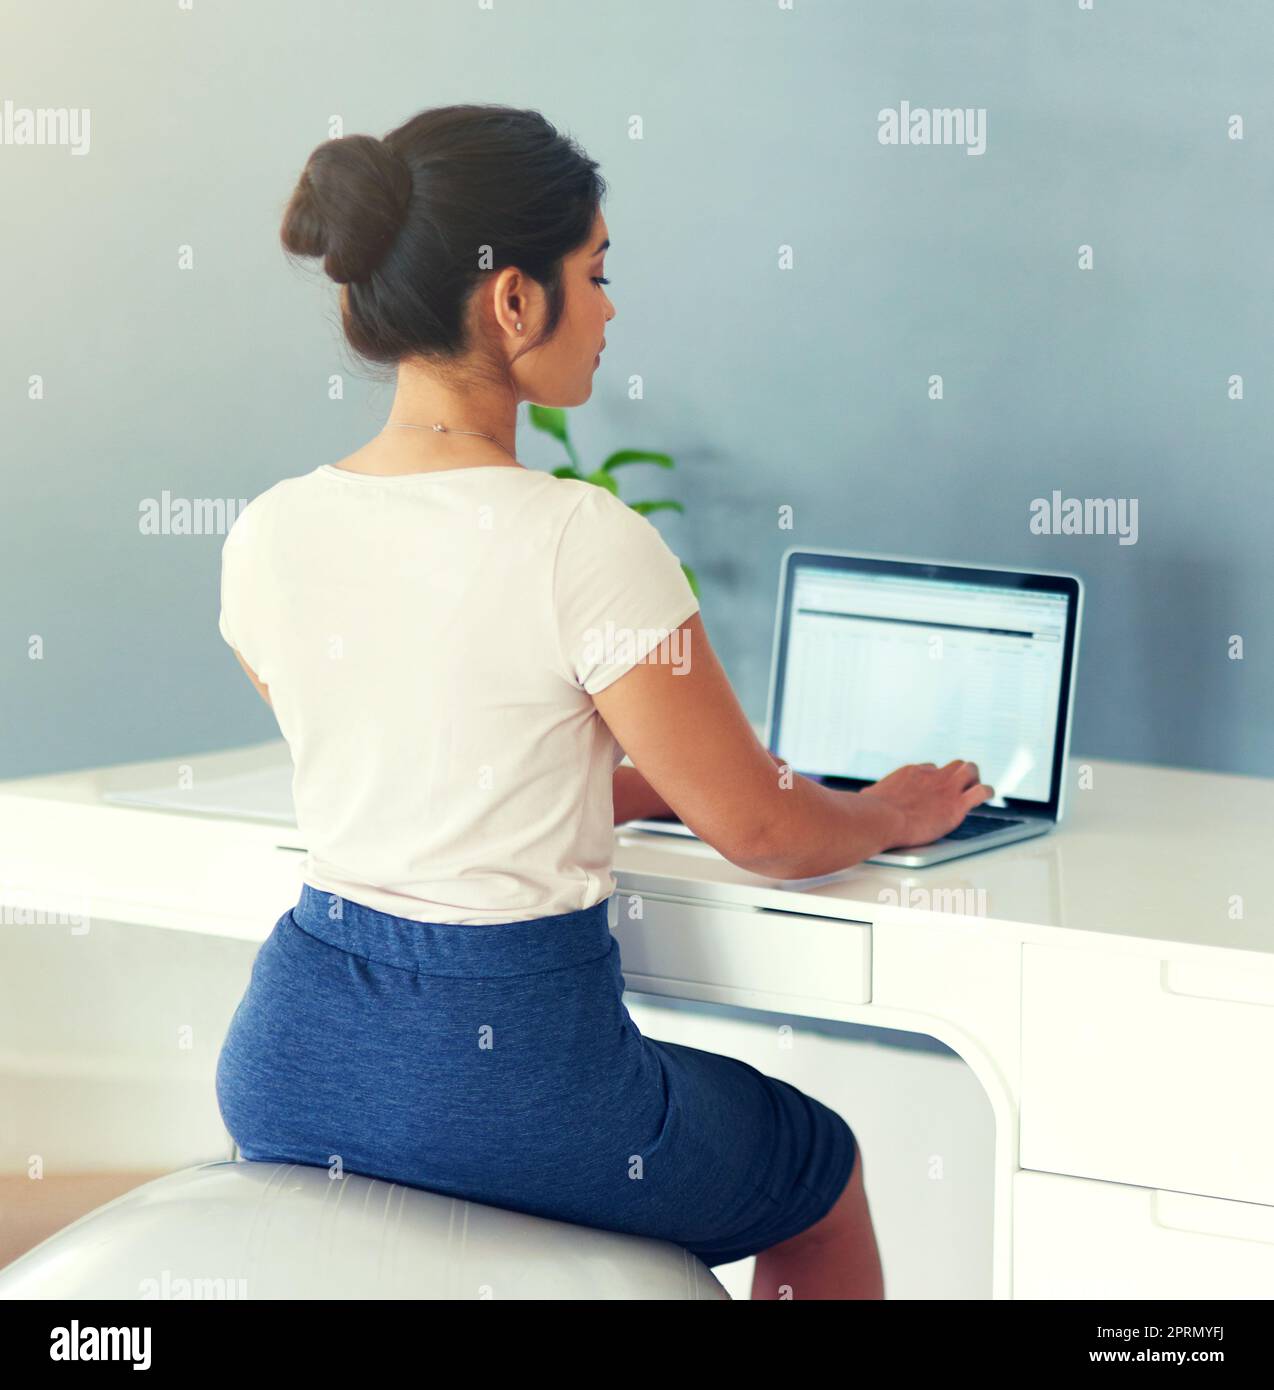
(552, 420)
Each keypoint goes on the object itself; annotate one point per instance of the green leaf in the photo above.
(645, 508)
(637, 456)
(603, 479)
(551, 419)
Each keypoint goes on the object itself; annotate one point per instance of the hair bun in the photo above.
(349, 205)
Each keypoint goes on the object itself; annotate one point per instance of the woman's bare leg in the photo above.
(836, 1258)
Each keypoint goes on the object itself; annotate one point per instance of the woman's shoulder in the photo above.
(258, 513)
(597, 505)
(600, 528)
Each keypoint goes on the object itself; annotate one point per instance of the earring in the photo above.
(519, 328)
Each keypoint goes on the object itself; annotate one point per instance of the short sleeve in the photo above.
(618, 590)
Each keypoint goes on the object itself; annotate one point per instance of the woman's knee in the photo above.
(844, 1221)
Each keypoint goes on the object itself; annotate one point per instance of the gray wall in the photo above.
(805, 387)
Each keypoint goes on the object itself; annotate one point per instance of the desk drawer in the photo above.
(1149, 1070)
(744, 950)
(1076, 1239)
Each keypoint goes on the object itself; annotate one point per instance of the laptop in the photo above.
(880, 661)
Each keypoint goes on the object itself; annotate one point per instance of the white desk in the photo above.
(1111, 986)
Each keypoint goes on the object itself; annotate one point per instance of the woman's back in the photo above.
(442, 635)
(431, 642)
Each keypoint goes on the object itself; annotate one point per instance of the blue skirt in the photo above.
(497, 1063)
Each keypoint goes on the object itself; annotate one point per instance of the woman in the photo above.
(459, 650)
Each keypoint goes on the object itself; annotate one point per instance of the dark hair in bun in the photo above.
(411, 224)
(348, 206)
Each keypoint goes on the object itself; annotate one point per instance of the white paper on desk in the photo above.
(264, 793)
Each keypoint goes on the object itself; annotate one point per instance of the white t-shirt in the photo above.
(431, 643)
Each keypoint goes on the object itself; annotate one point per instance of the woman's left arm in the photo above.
(635, 798)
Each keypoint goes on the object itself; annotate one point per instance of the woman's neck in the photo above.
(468, 412)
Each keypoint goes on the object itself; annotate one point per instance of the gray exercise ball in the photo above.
(286, 1230)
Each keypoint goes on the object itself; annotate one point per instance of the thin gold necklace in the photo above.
(443, 429)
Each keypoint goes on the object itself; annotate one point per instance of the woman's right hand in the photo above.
(932, 799)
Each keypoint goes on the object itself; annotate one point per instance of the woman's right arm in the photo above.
(685, 731)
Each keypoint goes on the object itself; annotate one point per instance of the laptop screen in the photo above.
(881, 663)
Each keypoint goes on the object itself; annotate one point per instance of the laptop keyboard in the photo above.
(978, 825)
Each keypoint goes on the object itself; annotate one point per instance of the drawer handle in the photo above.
(1202, 980)
(815, 917)
(1212, 1216)
(745, 909)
